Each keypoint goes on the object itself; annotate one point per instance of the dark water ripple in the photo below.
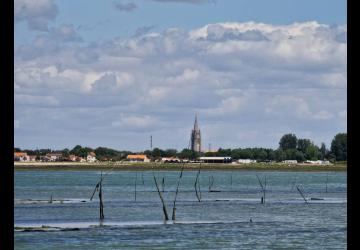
(220, 221)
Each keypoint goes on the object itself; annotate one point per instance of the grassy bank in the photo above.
(191, 166)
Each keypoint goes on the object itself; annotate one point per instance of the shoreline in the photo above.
(54, 166)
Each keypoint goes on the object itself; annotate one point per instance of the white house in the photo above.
(246, 161)
(53, 157)
(21, 156)
(170, 159)
(290, 161)
(318, 162)
(91, 157)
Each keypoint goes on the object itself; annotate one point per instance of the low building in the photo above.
(216, 159)
(137, 158)
(72, 158)
(91, 157)
(53, 157)
(32, 157)
(290, 161)
(318, 162)
(246, 161)
(170, 160)
(21, 156)
(80, 159)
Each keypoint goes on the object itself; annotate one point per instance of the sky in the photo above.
(113, 73)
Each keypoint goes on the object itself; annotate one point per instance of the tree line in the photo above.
(290, 148)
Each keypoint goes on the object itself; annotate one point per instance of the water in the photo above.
(220, 221)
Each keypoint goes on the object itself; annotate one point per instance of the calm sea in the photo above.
(220, 221)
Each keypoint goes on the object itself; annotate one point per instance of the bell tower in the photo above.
(196, 137)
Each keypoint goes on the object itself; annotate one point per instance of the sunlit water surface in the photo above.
(220, 221)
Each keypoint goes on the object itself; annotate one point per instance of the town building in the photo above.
(32, 157)
(216, 159)
(91, 157)
(137, 158)
(290, 161)
(318, 162)
(72, 157)
(196, 137)
(246, 161)
(170, 160)
(21, 156)
(53, 157)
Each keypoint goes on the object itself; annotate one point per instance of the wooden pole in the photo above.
(263, 190)
(135, 184)
(163, 184)
(297, 187)
(101, 203)
(177, 190)
(196, 186)
(327, 175)
(162, 200)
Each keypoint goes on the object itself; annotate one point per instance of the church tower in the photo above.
(196, 137)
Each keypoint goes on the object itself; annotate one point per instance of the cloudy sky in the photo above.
(111, 73)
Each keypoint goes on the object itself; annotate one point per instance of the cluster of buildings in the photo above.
(195, 146)
(53, 157)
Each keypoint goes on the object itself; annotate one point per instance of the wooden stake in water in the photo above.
(98, 187)
(327, 175)
(297, 187)
(262, 188)
(196, 186)
(135, 184)
(163, 184)
(162, 200)
(177, 190)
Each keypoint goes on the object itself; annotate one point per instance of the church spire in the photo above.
(196, 137)
(196, 126)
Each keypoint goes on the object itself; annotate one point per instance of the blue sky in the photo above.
(110, 73)
(101, 20)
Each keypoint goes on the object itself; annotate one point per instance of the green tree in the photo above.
(313, 152)
(303, 144)
(288, 141)
(279, 155)
(323, 151)
(299, 156)
(271, 155)
(224, 152)
(76, 150)
(170, 152)
(65, 152)
(157, 153)
(339, 147)
(188, 154)
(246, 153)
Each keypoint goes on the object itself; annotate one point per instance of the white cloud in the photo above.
(36, 13)
(252, 75)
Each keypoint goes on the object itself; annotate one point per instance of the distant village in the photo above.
(291, 151)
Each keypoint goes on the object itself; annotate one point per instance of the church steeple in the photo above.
(196, 126)
(196, 137)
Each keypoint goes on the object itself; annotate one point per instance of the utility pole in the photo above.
(151, 142)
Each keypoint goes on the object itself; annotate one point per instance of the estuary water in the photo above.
(53, 210)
